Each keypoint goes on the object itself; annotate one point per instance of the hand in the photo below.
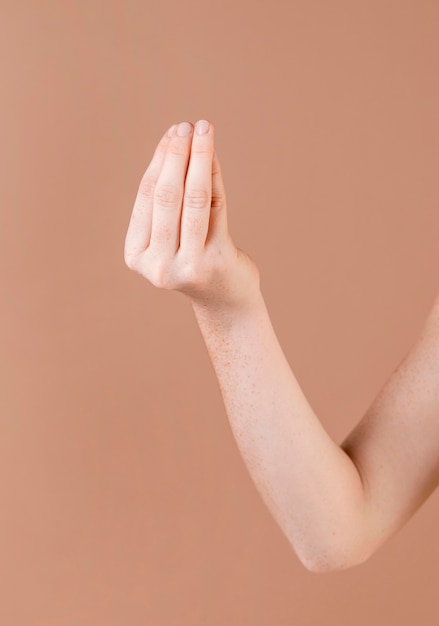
(177, 237)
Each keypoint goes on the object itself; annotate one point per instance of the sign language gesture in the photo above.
(177, 237)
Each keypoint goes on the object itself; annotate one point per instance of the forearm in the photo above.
(310, 485)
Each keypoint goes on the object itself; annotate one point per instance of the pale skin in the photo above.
(335, 504)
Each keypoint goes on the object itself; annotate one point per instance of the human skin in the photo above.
(335, 504)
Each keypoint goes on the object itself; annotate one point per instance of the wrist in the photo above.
(224, 314)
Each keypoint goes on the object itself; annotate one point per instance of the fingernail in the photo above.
(171, 130)
(202, 127)
(184, 129)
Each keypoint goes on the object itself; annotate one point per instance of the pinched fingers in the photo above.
(180, 213)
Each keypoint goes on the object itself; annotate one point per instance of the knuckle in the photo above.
(176, 148)
(167, 195)
(189, 273)
(203, 149)
(218, 202)
(160, 275)
(160, 150)
(147, 187)
(196, 198)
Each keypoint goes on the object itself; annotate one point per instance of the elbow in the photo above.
(325, 561)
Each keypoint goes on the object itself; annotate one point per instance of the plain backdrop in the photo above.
(124, 499)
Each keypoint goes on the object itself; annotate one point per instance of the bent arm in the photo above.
(309, 484)
(396, 444)
(335, 504)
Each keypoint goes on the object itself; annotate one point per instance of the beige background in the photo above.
(124, 499)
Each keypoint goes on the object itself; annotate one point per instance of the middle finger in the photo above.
(168, 194)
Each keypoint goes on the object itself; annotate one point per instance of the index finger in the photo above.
(139, 228)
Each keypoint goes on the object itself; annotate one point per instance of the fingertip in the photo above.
(170, 131)
(204, 127)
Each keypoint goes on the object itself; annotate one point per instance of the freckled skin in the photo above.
(335, 504)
